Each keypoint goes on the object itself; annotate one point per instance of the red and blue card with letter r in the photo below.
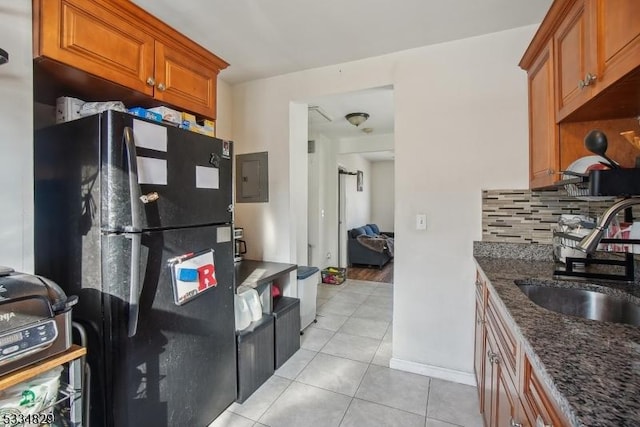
(192, 274)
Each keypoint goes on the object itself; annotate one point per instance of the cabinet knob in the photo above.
(513, 423)
(151, 81)
(550, 171)
(161, 87)
(588, 80)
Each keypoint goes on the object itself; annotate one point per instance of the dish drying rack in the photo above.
(576, 267)
(602, 183)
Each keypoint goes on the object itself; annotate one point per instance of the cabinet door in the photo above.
(539, 409)
(86, 36)
(479, 356)
(571, 42)
(543, 133)
(505, 408)
(487, 381)
(618, 39)
(184, 80)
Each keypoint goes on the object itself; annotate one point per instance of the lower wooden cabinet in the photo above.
(505, 408)
(537, 405)
(479, 346)
(510, 391)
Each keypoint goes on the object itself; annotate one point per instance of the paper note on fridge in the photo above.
(207, 177)
(152, 171)
(192, 274)
(150, 135)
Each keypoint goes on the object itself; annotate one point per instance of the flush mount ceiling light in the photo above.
(356, 119)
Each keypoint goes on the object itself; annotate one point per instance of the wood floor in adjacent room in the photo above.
(372, 274)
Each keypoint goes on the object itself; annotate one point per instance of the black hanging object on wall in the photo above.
(4, 56)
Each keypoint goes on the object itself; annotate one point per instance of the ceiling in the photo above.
(264, 38)
(378, 103)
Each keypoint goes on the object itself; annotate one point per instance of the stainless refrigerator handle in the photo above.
(136, 238)
(134, 187)
(134, 283)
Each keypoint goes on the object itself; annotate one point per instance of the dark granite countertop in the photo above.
(592, 368)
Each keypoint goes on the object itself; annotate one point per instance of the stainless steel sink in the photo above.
(583, 303)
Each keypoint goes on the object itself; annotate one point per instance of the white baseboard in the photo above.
(433, 371)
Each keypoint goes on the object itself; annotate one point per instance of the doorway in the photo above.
(334, 203)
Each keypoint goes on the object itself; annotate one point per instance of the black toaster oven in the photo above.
(35, 319)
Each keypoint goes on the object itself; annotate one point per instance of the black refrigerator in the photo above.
(135, 217)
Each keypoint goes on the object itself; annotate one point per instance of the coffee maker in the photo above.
(240, 245)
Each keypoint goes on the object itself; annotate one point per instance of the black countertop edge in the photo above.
(272, 271)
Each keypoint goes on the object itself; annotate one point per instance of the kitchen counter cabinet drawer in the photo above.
(506, 342)
(481, 289)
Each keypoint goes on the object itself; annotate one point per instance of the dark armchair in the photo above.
(366, 245)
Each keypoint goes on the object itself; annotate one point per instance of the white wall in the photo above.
(460, 126)
(224, 110)
(323, 198)
(16, 140)
(366, 143)
(383, 194)
(357, 203)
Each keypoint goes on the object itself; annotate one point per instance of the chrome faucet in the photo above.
(590, 242)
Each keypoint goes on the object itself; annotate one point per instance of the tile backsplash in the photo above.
(524, 216)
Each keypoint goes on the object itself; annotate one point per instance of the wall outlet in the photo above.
(421, 222)
(328, 255)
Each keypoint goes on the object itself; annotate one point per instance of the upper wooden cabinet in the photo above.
(120, 43)
(597, 43)
(544, 151)
(617, 39)
(572, 60)
(583, 66)
(185, 80)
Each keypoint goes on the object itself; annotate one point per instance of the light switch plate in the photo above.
(421, 222)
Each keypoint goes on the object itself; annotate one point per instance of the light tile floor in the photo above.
(341, 375)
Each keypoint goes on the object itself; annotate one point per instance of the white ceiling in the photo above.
(264, 38)
(378, 103)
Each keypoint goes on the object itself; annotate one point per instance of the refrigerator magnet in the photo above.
(226, 149)
(192, 274)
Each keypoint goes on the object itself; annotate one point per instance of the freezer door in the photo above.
(179, 369)
(157, 176)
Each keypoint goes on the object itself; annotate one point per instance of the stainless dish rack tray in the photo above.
(577, 185)
(602, 183)
(566, 240)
